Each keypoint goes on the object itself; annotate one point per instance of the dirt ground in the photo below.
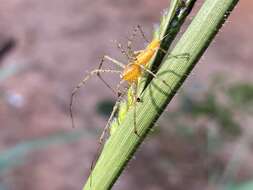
(54, 44)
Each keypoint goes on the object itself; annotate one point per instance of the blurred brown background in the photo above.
(203, 141)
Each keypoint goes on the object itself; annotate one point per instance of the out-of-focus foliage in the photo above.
(14, 156)
(104, 107)
(210, 107)
(242, 186)
(241, 94)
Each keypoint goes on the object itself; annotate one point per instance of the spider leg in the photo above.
(86, 78)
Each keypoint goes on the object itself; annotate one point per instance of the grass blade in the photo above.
(120, 147)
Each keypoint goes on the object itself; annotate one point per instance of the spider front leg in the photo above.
(106, 57)
(86, 78)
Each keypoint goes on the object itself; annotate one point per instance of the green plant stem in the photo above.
(170, 26)
(120, 147)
